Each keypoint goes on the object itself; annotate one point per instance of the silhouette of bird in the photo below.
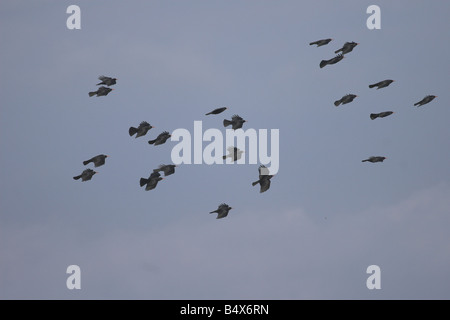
(373, 116)
(374, 159)
(264, 179)
(107, 81)
(217, 111)
(334, 60)
(347, 47)
(102, 91)
(222, 210)
(320, 43)
(381, 84)
(425, 100)
(345, 99)
(97, 160)
(141, 130)
(162, 138)
(152, 181)
(168, 169)
(233, 153)
(86, 175)
(236, 122)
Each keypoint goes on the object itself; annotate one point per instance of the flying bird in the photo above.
(86, 175)
(107, 81)
(381, 84)
(334, 60)
(102, 91)
(373, 116)
(141, 130)
(347, 47)
(236, 122)
(162, 138)
(233, 153)
(168, 169)
(425, 100)
(222, 210)
(152, 181)
(264, 179)
(374, 159)
(320, 43)
(217, 111)
(345, 99)
(97, 160)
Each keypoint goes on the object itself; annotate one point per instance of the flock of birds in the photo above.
(143, 128)
(346, 48)
(236, 122)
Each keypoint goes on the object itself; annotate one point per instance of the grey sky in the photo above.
(327, 215)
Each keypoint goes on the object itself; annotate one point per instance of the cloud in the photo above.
(249, 255)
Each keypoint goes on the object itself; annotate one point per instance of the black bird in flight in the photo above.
(162, 138)
(102, 91)
(222, 210)
(381, 84)
(217, 111)
(425, 100)
(264, 179)
(374, 159)
(347, 47)
(168, 169)
(236, 122)
(107, 81)
(334, 60)
(373, 116)
(152, 181)
(233, 153)
(345, 99)
(141, 130)
(320, 43)
(97, 160)
(86, 175)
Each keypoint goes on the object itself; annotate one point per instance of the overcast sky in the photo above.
(312, 235)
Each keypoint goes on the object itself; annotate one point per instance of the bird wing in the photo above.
(236, 118)
(104, 78)
(144, 124)
(222, 206)
(263, 171)
(265, 185)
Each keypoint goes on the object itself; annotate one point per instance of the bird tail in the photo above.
(213, 211)
(143, 181)
(255, 183)
(417, 103)
(93, 93)
(77, 177)
(208, 113)
(372, 85)
(337, 102)
(152, 141)
(311, 43)
(338, 50)
(226, 122)
(100, 83)
(364, 160)
(224, 157)
(132, 131)
(323, 63)
(86, 162)
(373, 116)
